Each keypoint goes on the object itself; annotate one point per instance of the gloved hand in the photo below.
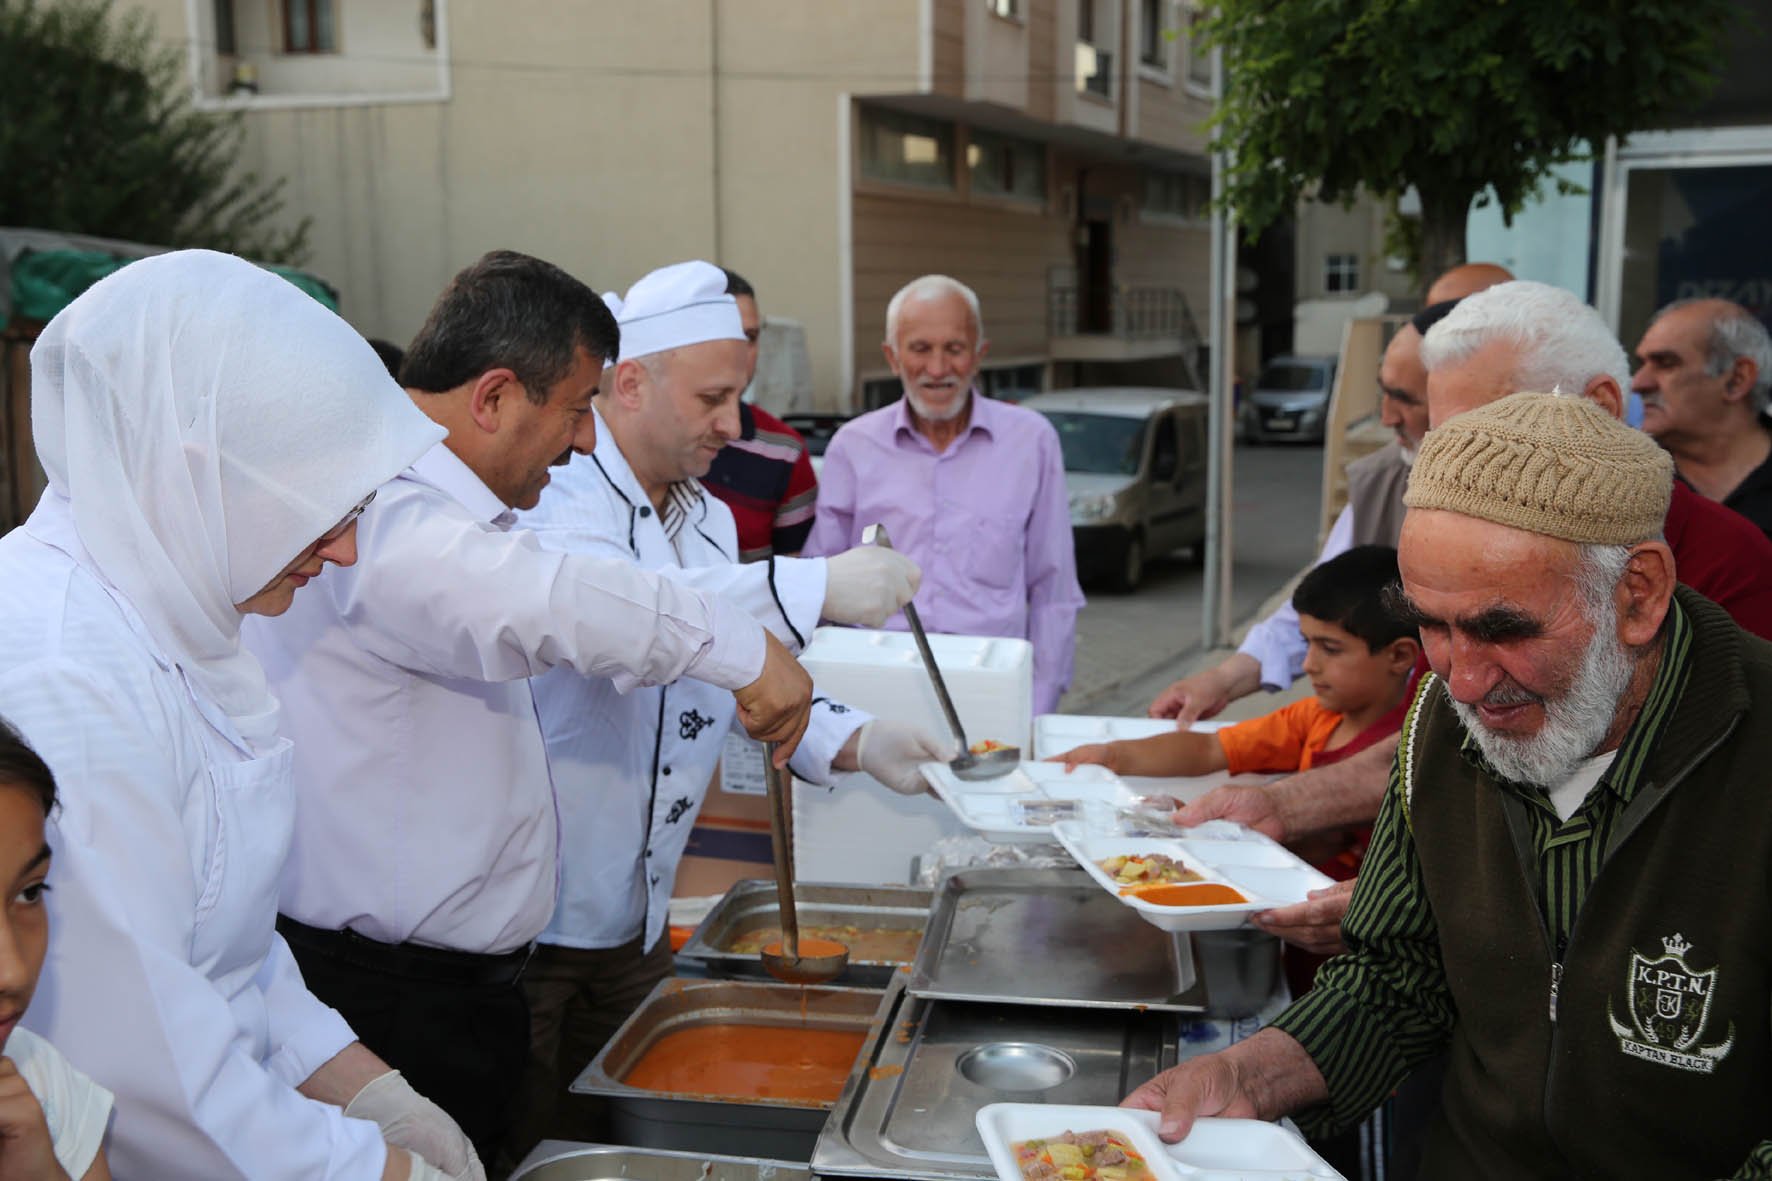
(865, 585)
(890, 752)
(421, 1169)
(408, 1120)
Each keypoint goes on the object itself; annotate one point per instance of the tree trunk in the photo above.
(1443, 217)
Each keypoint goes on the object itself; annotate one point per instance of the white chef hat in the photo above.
(675, 306)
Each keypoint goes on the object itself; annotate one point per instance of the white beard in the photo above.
(1574, 724)
(947, 415)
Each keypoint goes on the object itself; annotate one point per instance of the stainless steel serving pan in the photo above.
(564, 1160)
(752, 904)
(908, 1108)
(1048, 937)
(780, 1129)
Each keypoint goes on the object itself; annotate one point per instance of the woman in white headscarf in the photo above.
(209, 433)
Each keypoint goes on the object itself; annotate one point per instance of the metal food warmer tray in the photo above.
(752, 904)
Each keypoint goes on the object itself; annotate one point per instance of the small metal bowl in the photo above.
(1016, 1066)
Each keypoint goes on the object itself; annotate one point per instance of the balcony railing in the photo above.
(1132, 321)
(1135, 313)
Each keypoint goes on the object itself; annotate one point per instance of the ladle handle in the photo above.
(781, 840)
(876, 535)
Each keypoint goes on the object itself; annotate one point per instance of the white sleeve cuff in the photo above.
(800, 589)
(829, 727)
(735, 657)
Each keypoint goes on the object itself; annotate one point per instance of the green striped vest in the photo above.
(1658, 1062)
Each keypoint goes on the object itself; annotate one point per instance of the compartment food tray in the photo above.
(1214, 1149)
(1263, 870)
(999, 809)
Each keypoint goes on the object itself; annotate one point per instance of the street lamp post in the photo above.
(1215, 629)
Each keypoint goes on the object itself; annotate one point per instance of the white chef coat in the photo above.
(426, 812)
(165, 981)
(631, 771)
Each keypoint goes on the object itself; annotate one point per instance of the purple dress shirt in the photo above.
(987, 520)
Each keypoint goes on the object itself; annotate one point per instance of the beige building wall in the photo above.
(1325, 229)
(587, 134)
(614, 137)
(1004, 255)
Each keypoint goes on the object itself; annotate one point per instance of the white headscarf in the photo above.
(207, 422)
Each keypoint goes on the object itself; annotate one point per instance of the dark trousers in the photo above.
(578, 998)
(461, 1036)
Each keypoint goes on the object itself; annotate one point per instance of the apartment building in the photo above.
(1049, 152)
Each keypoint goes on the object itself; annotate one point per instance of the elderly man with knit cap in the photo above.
(630, 770)
(1566, 889)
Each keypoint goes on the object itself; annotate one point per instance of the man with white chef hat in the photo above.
(426, 846)
(631, 770)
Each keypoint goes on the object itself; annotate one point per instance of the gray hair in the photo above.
(1597, 574)
(1735, 332)
(930, 287)
(1560, 344)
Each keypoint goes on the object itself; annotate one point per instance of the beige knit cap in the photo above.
(1550, 464)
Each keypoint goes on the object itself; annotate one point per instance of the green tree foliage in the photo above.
(98, 136)
(1466, 100)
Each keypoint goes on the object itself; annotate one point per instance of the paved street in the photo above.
(1130, 646)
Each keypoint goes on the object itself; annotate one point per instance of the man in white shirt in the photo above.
(425, 850)
(631, 770)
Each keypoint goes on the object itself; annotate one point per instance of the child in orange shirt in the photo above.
(1361, 663)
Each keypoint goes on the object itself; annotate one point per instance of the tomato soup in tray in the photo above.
(749, 1062)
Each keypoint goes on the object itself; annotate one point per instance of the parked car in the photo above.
(1290, 400)
(1135, 469)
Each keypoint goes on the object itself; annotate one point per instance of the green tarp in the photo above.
(46, 281)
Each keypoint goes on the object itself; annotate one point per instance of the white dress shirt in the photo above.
(426, 812)
(1275, 642)
(165, 981)
(631, 770)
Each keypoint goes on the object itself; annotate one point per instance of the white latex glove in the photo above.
(422, 1169)
(891, 751)
(865, 585)
(408, 1120)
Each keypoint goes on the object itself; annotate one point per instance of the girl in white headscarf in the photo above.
(209, 433)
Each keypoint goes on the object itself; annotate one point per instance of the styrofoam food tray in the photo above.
(1214, 1149)
(1056, 733)
(1266, 873)
(1003, 1125)
(995, 807)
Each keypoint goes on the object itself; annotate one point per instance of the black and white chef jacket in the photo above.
(630, 770)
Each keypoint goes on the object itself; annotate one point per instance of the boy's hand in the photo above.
(1100, 754)
(26, 1151)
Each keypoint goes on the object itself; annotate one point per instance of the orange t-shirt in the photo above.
(1287, 740)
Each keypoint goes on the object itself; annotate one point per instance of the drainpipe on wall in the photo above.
(714, 121)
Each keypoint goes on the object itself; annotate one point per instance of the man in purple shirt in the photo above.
(972, 489)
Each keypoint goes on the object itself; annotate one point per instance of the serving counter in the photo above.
(1024, 985)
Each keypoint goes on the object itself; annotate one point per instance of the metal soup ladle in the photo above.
(990, 765)
(785, 962)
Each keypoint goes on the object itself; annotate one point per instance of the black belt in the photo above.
(411, 960)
